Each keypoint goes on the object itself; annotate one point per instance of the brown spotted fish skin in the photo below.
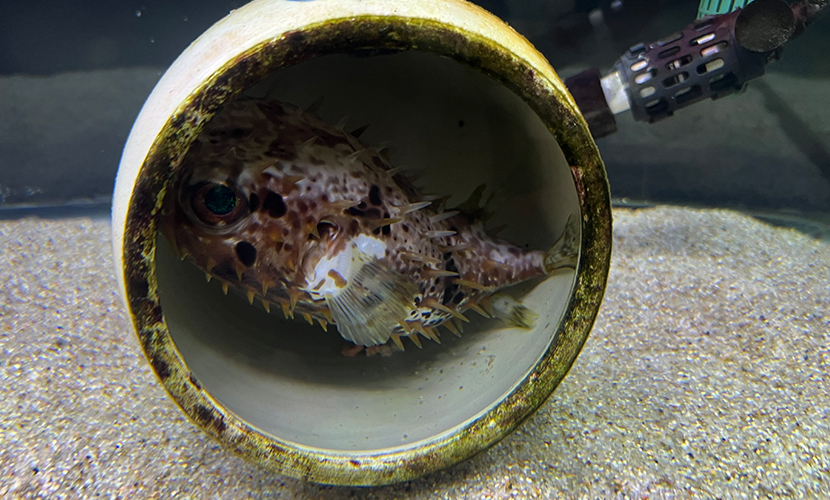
(268, 192)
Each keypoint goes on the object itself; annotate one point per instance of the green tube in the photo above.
(715, 7)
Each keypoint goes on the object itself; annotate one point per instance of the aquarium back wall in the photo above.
(73, 76)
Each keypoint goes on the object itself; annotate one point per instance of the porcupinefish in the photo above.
(298, 212)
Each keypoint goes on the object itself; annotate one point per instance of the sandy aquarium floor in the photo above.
(707, 375)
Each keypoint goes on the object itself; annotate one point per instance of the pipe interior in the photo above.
(456, 128)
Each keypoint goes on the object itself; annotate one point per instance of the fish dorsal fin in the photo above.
(314, 107)
(475, 206)
(375, 298)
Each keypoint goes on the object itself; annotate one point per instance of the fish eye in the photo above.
(218, 204)
(220, 200)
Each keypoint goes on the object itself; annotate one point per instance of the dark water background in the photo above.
(73, 76)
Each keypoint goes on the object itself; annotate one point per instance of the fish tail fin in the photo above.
(511, 311)
(565, 252)
(367, 310)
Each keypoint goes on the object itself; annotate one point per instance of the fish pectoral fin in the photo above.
(367, 310)
(511, 311)
(565, 252)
